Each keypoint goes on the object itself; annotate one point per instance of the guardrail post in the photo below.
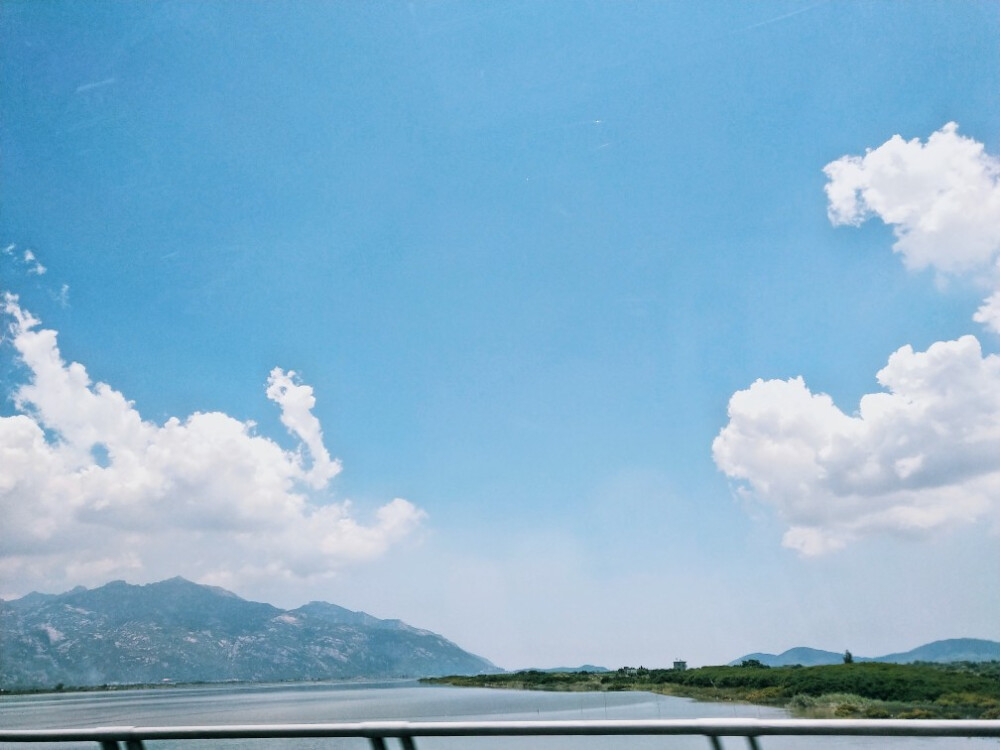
(134, 745)
(109, 745)
(752, 741)
(716, 745)
(407, 742)
(378, 743)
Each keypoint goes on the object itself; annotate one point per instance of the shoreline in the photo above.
(121, 687)
(850, 691)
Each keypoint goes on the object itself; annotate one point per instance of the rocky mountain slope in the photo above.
(180, 631)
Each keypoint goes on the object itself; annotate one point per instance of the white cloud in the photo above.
(28, 261)
(942, 199)
(921, 456)
(925, 453)
(989, 312)
(90, 490)
(297, 402)
(34, 266)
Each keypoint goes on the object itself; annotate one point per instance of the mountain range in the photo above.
(949, 650)
(179, 631)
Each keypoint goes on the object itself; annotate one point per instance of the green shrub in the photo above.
(844, 710)
(875, 712)
(764, 695)
(800, 702)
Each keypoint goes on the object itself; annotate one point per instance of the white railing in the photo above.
(406, 732)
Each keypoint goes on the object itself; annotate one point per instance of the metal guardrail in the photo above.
(406, 732)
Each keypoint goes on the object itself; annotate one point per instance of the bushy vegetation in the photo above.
(850, 690)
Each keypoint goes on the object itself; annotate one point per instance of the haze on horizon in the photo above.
(606, 334)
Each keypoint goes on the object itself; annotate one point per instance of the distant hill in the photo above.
(952, 649)
(181, 631)
(807, 657)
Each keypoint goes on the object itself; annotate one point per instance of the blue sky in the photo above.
(523, 255)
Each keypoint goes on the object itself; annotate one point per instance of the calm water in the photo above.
(394, 701)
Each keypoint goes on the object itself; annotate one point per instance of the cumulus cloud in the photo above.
(942, 199)
(924, 454)
(90, 490)
(989, 312)
(297, 402)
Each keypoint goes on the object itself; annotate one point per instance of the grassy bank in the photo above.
(860, 690)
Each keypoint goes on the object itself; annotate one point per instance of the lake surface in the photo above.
(333, 702)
